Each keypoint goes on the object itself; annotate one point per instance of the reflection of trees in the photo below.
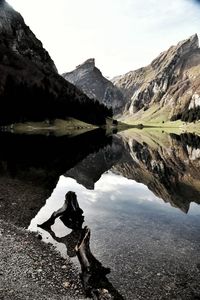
(93, 274)
(30, 165)
(187, 139)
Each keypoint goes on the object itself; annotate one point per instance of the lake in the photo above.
(139, 192)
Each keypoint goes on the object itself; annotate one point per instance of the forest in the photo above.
(22, 102)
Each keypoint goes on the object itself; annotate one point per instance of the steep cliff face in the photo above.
(168, 87)
(30, 87)
(90, 80)
(20, 39)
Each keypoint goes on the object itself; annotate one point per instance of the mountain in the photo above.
(20, 39)
(168, 88)
(30, 87)
(90, 80)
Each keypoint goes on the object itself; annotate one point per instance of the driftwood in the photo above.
(70, 214)
(70, 240)
(93, 275)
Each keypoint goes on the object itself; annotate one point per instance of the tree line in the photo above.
(23, 101)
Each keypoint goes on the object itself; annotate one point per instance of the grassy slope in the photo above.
(59, 127)
(159, 117)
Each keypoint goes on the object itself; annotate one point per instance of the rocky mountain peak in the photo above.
(174, 53)
(88, 64)
(170, 82)
(191, 43)
(18, 38)
(89, 79)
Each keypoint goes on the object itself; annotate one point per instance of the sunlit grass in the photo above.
(58, 127)
(158, 118)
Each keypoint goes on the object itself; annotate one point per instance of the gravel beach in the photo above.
(31, 269)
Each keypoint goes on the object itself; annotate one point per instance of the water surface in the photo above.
(151, 244)
(140, 196)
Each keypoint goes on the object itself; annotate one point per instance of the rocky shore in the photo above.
(31, 269)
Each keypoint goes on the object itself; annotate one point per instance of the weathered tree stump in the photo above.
(95, 282)
(70, 214)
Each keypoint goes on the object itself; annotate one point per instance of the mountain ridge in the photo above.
(169, 81)
(88, 78)
(30, 87)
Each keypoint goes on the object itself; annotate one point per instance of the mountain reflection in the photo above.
(120, 181)
(168, 165)
(30, 167)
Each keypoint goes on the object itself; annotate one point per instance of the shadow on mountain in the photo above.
(30, 87)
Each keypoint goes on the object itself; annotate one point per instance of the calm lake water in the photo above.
(140, 196)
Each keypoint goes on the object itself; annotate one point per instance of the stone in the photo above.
(66, 284)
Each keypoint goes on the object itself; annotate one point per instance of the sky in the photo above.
(122, 35)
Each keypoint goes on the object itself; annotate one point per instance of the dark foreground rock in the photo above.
(31, 269)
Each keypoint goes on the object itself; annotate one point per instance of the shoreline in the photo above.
(73, 127)
(31, 269)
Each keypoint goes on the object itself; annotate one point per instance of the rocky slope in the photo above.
(30, 87)
(168, 88)
(21, 39)
(90, 80)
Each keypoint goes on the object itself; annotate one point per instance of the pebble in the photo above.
(64, 267)
(66, 284)
(39, 270)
